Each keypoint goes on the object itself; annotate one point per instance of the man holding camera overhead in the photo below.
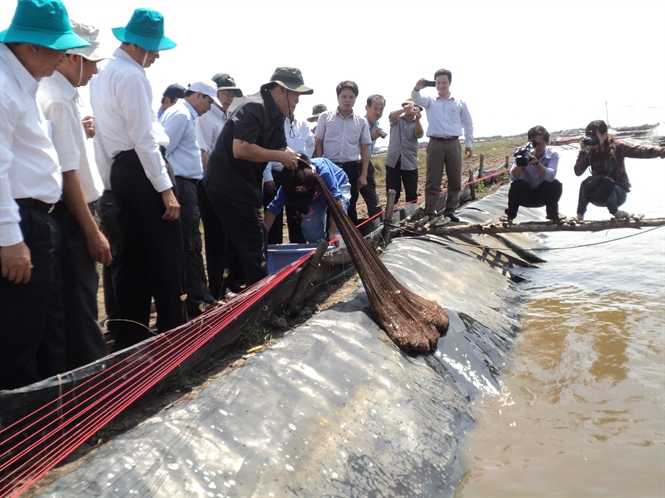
(447, 116)
(533, 177)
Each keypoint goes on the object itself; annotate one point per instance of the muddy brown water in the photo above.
(581, 409)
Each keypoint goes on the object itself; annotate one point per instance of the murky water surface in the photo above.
(581, 410)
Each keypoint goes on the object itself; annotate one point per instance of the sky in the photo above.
(515, 63)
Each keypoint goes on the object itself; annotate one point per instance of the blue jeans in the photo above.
(616, 199)
(314, 227)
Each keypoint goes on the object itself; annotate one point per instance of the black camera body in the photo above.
(429, 83)
(590, 140)
(524, 154)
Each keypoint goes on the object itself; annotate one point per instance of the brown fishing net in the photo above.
(413, 323)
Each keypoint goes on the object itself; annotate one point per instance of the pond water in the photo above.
(581, 409)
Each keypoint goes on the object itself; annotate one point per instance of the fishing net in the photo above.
(412, 322)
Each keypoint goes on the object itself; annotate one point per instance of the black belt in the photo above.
(190, 180)
(40, 206)
(444, 139)
(348, 163)
(120, 155)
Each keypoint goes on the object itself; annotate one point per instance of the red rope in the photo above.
(101, 397)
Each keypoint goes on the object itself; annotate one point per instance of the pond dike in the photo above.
(334, 408)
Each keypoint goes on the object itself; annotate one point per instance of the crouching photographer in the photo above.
(533, 177)
(608, 184)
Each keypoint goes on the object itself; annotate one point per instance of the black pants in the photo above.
(394, 178)
(32, 343)
(547, 194)
(219, 256)
(292, 219)
(247, 234)
(369, 194)
(107, 210)
(190, 221)
(150, 258)
(80, 281)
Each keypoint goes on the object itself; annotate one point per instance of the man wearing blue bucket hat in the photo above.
(31, 314)
(150, 257)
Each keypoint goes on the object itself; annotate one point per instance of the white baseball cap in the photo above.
(203, 88)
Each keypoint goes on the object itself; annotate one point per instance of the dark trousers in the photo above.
(440, 155)
(547, 194)
(394, 178)
(32, 343)
(369, 194)
(150, 256)
(83, 336)
(616, 199)
(292, 219)
(247, 234)
(190, 221)
(107, 210)
(353, 170)
(219, 256)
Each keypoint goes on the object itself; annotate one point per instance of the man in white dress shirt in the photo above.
(208, 128)
(82, 243)
(150, 254)
(446, 117)
(184, 156)
(31, 334)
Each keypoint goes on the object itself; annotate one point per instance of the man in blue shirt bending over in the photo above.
(301, 191)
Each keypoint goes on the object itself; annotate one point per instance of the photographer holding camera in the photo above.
(533, 175)
(605, 155)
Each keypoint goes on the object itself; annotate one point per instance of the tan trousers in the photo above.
(440, 153)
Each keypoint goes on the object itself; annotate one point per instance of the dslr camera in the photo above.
(590, 140)
(524, 154)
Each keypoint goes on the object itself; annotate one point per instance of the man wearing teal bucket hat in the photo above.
(149, 259)
(31, 316)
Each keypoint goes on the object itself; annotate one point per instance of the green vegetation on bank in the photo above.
(501, 145)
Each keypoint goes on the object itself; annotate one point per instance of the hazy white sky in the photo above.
(516, 63)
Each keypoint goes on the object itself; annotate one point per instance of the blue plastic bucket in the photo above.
(280, 255)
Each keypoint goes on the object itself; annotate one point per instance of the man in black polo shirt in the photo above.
(252, 137)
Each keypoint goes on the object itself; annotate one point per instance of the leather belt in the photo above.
(348, 163)
(37, 205)
(444, 139)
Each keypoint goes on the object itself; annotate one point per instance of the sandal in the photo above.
(559, 218)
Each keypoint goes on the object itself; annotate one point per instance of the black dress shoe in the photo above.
(453, 217)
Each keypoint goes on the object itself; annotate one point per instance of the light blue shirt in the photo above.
(530, 174)
(182, 152)
(371, 130)
(446, 117)
(342, 137)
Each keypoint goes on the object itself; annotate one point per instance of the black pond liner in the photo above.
(334, 408)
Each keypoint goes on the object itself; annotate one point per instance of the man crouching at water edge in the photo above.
(150, 256)
(252, 137)
(605, 155)
(532, 173)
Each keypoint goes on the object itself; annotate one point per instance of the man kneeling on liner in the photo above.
(532, 173)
